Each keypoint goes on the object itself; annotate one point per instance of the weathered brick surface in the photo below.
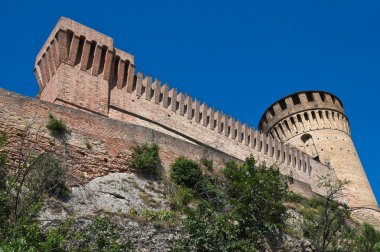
(111, 140)
(93, 76)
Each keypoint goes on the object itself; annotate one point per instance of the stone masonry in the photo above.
(81, 70)
(315, 123)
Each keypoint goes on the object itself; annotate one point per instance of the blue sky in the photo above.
(239, 56)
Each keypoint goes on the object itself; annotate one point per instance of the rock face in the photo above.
(113, 193)
(116, 195)
(143, 236)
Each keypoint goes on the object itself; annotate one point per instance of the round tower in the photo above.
(315, 122)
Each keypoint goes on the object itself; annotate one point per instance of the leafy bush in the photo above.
(207, 163)
(57, 127)
(185, 172)
(145, 158)
(102, 235)
(368, 239)
(181, 197)
(49, 175)
(235, 213)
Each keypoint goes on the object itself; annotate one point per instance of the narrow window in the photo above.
(313, 115)
(306, 116)
(320, 114)
(299, 118)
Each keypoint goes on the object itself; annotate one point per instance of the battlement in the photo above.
(316, 109)
(83, 48)
(315, 123)
(80, 68)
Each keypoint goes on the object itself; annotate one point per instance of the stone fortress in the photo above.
(81, 74)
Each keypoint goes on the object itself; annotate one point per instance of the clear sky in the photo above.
(239, 56)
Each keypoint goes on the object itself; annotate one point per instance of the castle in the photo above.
(85, 79)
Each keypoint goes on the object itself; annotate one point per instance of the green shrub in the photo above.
(57, 127)
(145, 158)
(48, 174)
(238, 211)
(368, 240)
(209, 164)
(181, 197)
(185, 172)
(296, 198)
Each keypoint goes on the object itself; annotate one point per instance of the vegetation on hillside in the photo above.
(244, 207)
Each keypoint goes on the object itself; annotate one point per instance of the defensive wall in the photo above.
(97, 145)
(80, 68)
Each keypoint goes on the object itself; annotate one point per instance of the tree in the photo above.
(250, 210)
(325, 217)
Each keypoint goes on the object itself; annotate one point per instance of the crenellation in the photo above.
(55, 51)
(181, 100)
(96, 66)
(131, 78)
(211, 120)
(139, 84)
(289, 102)
(120, 66)
(74, 51)
(84, 62)
(203, 114)
(50, 62)
(319, 127)
(157, 91)
(110, 87)
(64, 45)
(108, 65)
(239, 137)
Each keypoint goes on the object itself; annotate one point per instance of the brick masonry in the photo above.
(80, 69)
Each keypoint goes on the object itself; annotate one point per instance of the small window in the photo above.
(292, 121)
(299, 118)
(313, 115)
(306, 115)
